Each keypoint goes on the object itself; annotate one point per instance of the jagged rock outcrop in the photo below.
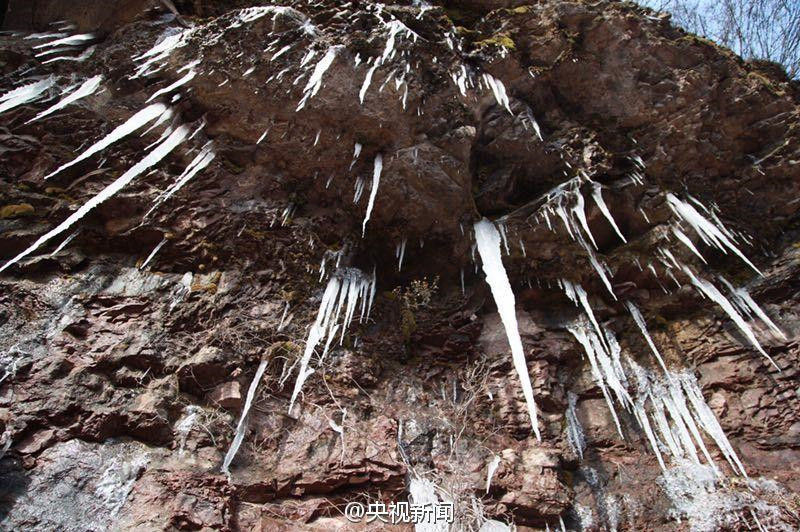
(633, 171)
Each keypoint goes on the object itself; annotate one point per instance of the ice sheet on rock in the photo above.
(575, 436)
(241, 427)
(146, 163)
(88, 88)
(711, 291)
(25, 94)
(423, 492)
(376, 181)
(488, 240)
(711, 233)
(135, 122)
(347, 288)
(186, 424)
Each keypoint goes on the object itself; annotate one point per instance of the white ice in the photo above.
(488, 241)
(146, 163)
(315, 81)
(499, 91)
(199, 163)
(376, 181)
(86, 89)
(25, 94)
(716, 296)
(711, 234)
(166, 90)
(242, 425)
(135, 122)
(349, 286)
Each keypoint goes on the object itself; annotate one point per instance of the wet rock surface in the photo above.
(129, 341)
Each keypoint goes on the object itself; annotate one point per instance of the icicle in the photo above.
(639, 319)
(356, 154)
(367, 80)
(25, 94)
(70, 40)
(200, 162)
(488, 241)
(709, 232)
(715, 295)
(708, 421)
(135, 122)
(401, 251)
(86, 89)
(597, 194)
(349, 287)
(687, 242)
(241, 427)
(499, 91)
(153, 254)
(575, 436)
(166, 90)
(748, 305)
(63, 244)
(584, 336)
(359, 189)
(315, 81)
(151, 159)
(490, 470)
(376, 181)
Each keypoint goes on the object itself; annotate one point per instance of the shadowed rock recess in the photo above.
(540, 261)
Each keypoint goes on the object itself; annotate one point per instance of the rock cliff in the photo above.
(277, 222)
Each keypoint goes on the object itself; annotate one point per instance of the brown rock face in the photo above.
(196, 214)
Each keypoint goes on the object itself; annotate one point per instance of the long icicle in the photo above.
(151, 159)
(135, 122)
(376, 181)
(240, 428)
(488, 240)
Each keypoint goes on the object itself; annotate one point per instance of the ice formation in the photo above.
(346, 288)
(138, 120)
(713, 293)
(488, 241)
(711, 233)
(198, 164)
(575, 436)
(376, 181)
(154, 157)
(241, 427)
(494, 463)
(25, 94)
(88, 88)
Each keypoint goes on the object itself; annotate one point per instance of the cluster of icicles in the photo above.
(671, 403)
(669, 408)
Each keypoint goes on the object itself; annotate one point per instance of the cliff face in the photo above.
(181, 203)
